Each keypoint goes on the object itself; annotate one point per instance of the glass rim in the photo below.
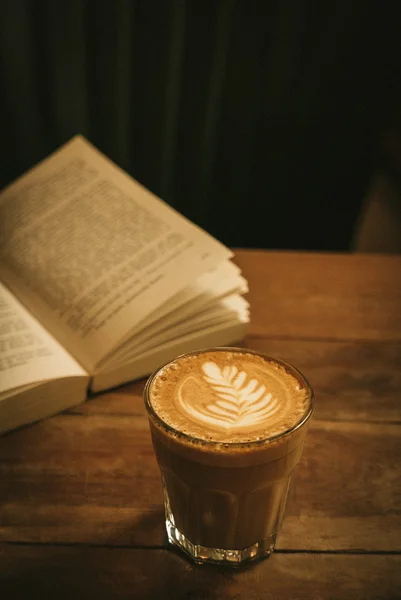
(215, 443)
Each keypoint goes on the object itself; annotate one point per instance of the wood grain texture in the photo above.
(100, 573)
(312, 295)
(94, 480)
(81, 512)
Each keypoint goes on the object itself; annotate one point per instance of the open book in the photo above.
(100, 283)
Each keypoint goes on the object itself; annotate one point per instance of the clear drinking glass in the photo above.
(225, 502)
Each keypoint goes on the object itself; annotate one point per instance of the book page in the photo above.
(28, 354)
(217, 335)
(210, 299)
(233, 309)
(208, 285)
(91, 252)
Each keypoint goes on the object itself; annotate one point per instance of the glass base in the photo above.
(222, 556)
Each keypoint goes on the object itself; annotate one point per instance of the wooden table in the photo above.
(81, 506)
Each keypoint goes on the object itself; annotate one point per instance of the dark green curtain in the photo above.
(257, 119)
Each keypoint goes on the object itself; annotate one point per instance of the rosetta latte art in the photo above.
(237, 401)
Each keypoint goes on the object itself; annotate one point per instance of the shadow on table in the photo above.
(77, 572)
(95, 573)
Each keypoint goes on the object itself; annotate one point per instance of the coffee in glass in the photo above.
(228, 427)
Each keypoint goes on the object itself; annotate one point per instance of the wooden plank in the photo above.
(95, 480)
(97, 573)
(314, 295)
(354, 380)
(346, 491)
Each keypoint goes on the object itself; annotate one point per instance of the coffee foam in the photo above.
(229, 396)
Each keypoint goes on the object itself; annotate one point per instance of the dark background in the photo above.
(259, 120)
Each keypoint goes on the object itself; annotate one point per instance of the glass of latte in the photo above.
(228, 427)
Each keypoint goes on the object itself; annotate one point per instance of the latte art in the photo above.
(228, 395)
(238, 401)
